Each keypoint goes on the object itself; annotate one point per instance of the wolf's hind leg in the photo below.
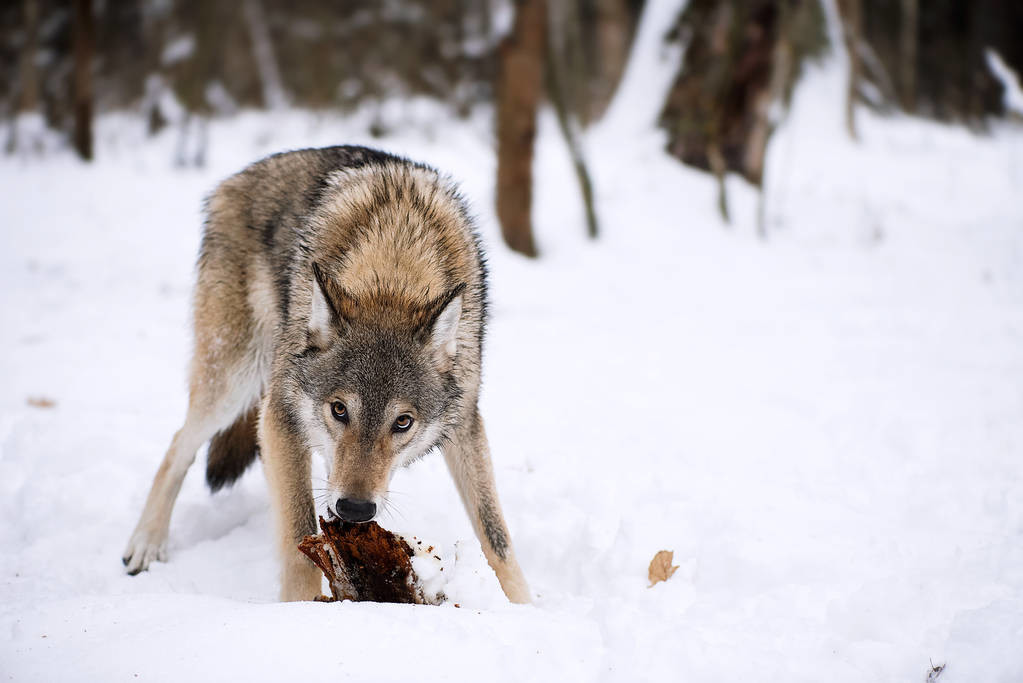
(468, 459)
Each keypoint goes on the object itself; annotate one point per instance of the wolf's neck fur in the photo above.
(393, 257)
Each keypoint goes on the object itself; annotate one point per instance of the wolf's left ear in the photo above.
(326, 312)
(447, 312)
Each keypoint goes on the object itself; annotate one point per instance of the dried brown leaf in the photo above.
(40, 402)
(661, 568)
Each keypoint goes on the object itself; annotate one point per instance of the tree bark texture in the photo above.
(519, 87)
(851, 12)
(84, 48)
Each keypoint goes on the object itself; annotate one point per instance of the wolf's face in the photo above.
(376, 385)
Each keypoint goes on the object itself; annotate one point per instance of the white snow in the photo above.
(433, 567)
(826, 428)
(27, 136)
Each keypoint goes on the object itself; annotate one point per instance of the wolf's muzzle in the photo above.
(351, 510)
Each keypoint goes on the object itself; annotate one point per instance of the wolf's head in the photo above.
(377, 385)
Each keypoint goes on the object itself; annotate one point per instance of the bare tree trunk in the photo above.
(274, 96)
(612, 35)
(25, 134)
(741, 62)
(718, 168)
(907, 53)
(520, 82)
(781, 74)
(28, 77)
(84, 47)
(570, 130)
(852, 30)
(566, 74)
(715, 156)
(760, 132)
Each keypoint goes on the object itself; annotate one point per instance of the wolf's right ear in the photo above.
(324, 316)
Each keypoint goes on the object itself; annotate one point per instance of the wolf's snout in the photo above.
(351, 510)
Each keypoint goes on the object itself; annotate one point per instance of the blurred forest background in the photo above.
(181, 62)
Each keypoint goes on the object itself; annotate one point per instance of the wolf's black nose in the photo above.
(351, 510)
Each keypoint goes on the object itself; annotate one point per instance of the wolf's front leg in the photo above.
(286, 462)
(468, 459)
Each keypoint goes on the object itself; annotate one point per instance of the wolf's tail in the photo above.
(232, 450)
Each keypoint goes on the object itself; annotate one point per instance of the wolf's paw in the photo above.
(143, 548)
(300, 580)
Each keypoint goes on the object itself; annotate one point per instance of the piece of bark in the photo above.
(365, 562)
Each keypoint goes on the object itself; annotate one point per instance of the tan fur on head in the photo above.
(382, 227)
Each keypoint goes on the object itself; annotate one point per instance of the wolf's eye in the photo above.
(403, 423)
(338, 410)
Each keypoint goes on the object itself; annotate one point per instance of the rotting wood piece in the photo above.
(365, 562)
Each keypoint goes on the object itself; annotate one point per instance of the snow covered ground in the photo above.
(826, 427)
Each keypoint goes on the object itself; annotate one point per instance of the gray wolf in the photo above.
(339, 308)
